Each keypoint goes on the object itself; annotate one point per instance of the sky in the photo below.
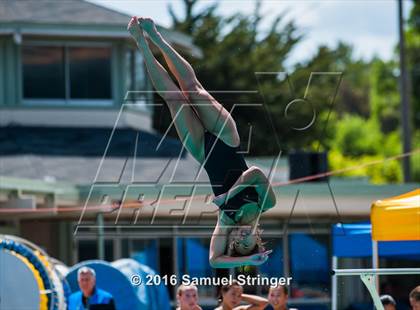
(370, 26)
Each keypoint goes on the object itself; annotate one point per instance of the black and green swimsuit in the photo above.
(224, 165)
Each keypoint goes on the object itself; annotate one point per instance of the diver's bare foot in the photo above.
(149, 27)
(134, 28)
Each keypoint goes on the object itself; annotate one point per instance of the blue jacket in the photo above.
(99, 297)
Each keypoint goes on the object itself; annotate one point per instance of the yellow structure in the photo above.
(396, 218)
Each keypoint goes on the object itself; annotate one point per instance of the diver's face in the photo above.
(188, 299)
(244, 240)
(277, 298)
(232, 297)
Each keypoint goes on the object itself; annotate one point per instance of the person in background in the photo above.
(415, 298)
(187, 297)
(231, 296)
(388, 302)
(90, 297)
(277, 298)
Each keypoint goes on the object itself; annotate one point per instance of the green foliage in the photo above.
(352, 95)
(412, 37)
(415, 159)
(356, 136)
(374, 167)
(384, 94)
(377, 168)
(359, 142)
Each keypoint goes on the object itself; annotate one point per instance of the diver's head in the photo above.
(245, 240)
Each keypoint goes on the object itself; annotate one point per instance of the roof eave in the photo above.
(93, 31)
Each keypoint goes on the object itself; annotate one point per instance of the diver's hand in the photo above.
(220, 200)
(259, 258)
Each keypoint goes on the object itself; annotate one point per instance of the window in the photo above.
(43, 72)
(88, 249)
(136, 82)
(90, 73)
(66, 73)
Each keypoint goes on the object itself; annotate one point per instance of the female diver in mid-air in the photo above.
(209, 133)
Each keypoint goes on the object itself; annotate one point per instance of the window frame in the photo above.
(67, 101)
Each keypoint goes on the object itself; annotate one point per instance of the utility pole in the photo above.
(405, 105)
(100, 234)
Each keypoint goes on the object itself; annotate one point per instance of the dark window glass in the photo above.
(109, 250)
(43, 72)
(88, 249)
(125, 248)
(90, 73)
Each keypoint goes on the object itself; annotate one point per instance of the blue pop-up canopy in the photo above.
(355, 240)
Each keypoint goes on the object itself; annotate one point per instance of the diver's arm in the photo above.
(218, 246)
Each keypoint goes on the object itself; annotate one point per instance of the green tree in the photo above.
(412, 36)
(384, 95)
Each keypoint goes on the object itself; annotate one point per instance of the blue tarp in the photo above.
(147, 256)
(154, 297)
(193, 257)
(355, 240)
(197, 259)
(274, 266)
(308, 259)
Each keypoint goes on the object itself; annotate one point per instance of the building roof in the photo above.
(74, 18)
(84, 142)
(74, 154)
(59, 12)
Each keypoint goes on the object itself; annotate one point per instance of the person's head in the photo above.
(245, 240)
(415, 298)
(86, 277)
(231, 295)
(187, 296)
(277, 296)
(388, 302)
